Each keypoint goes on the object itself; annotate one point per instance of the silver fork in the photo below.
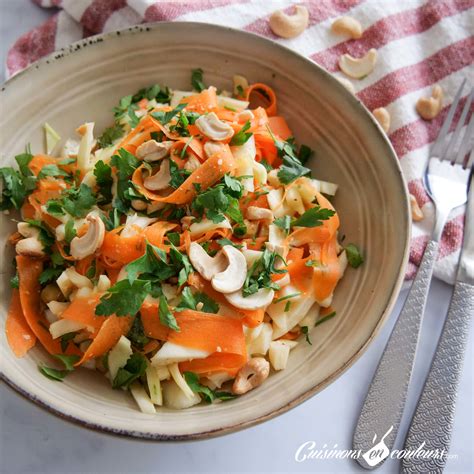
(446, 181)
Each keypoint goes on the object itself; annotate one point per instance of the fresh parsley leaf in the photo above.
(354, 257)
(54, 208)
(291, 170)
(104, 180)
(125, 164)
(313, 263)
(67, 161)
(233, 186)
(224, 241)
(242, 135)
(162, 95)
(122, 108)
(134, 368)
(260, 273)
(166, 316)
(111, 220)
(181, 262)
(325, 318)
(190, 301)
(17, 185)
(196, 80)
(313, 217)
(133, 118)
(166, 117)
(305, 331)
(123, 298)
(67, 360)
(69, 231)
(240, 91)
(136, 334)
(46, 237)
(206, 393)
(154, 262)
(49, 274)
(266, 164)
(51, 170)
(109, 135)
(304, 154)
(178, 176)
(23, 161)
(92, 270)
(78, 201)
(15, 281)
(174, 238)
(287, 297)
(283, 223)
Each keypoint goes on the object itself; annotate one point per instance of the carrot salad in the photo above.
(183, 252)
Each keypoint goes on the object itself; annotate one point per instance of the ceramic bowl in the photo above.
(84, 82)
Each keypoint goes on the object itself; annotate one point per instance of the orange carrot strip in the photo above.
(20, 337)
(29, 271)
(326, 276)
(202, 102)
(269, 96)
(109, 333)
(82, 310)
(279, 127)
(151, 322)
(155, 233)
(211, 171)
(39, 161)
(217, 362)
(150, 346)
(118, 251)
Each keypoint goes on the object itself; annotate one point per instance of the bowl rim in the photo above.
(94, 40)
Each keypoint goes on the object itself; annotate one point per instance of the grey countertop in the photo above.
(37, 442)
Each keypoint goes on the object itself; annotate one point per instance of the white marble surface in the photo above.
(33, 441)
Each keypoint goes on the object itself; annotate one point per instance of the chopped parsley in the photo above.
(134, 368)
(77, 202)
(165, 117)
(136, 334)
(305, 331)
(207, 394)
(241, 136)
(166, 316)
(325, 318)
(53, 171)
(56, 374)
(104, 180)
(354, 257)
(178, 175)
(196, 80)
(313, 217)
(190, 301)
(109, 135)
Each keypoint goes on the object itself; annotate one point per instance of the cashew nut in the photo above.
(255, 213)
(152, 150)
(139, 205)
(251, 375)
(347, 25)
(429, 107)
(289, 26)
(206, 265)
(192, 163)
(30, 247)
(260, 299)
(358, 68)
(383, 118)
(245, 115)
(233, 277)
(161, 179)
(212, 127)
(86, 245)
(211, 148)
(416, 212)
(27, 230)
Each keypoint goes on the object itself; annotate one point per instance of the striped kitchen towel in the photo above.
(419, 43)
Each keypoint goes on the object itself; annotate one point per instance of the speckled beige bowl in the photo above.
(85, 82)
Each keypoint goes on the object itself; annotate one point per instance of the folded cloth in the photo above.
(419, 44)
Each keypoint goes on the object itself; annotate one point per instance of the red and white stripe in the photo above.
(419, 43)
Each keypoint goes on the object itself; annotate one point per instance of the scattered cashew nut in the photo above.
(416, 213)
(256, 213)
(347, 25)
(152, 150)
(251, 375)
(429, 107)
(233, 277)
(30, 247)
(289, 26)
(213, 128)
(358, 68)
(206, 265)
(161, 179)
(383, 118)
(260, 299)
(240, 84)
(86, 245)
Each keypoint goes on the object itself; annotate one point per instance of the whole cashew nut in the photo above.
(160, 180)
(86, 245)
(347, 25)
(429, 107)
(261, 299)
(383, 118)
(152, 150)
(416, 213)
(289, 26)
(251, 375)
(30, 247)
(206, 265)
(213, 128)
(358, 68)
(233, 277)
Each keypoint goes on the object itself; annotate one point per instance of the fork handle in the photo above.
(383, 407)
(433, 420)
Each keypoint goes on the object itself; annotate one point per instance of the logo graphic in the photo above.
(379, 452)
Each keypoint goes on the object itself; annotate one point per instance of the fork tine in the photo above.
(454, 138)
(438, 146)
(464, 148)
